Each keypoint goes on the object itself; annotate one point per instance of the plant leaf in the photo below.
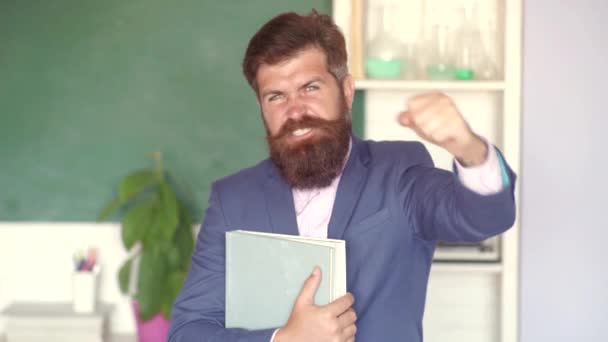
(173, 257)
(153, 237)
(172, 287)
(137, 221)
(150, 285)
(124, 274)
(168, 217)
(184, 240)
(135, 183)
(109, 209)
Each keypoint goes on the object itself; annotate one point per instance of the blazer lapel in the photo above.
(279, 204)
(349, 189)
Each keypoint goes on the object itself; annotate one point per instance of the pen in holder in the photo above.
(85, 280)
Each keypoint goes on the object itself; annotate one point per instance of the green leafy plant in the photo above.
(156, 227)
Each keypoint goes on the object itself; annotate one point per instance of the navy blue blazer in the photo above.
(391, 207)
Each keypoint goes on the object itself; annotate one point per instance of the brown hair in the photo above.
(287, 34)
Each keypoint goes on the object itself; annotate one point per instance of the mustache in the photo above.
(305, 122)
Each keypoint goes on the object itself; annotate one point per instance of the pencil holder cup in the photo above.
(84, 291)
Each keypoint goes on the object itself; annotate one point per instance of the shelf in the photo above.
(429, 85)
(467, 267)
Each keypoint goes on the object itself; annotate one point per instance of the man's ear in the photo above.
(348, 86)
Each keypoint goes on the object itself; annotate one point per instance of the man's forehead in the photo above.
(307, 63)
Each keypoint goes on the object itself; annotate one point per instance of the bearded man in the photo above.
(385, 199)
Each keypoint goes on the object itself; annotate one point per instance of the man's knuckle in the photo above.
(334, 328)
(446, 101)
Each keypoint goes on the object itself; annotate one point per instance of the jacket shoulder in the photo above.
(244, 180)
(398, 151)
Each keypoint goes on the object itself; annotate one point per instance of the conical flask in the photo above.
(385, 52)
(440, 58)
(469, 47)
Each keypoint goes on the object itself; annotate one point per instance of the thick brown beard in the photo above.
(316, 161)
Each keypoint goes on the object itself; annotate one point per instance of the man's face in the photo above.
(307, 118)
(300, 86)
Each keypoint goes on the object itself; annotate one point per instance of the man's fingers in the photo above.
(419, 101)
(347, 318)
(414, 127)
(417, 117)
(405, 119)
(411, 119)
(307, 294)
(349, 332)
(340, 305)
(428, 123)
(431, 126)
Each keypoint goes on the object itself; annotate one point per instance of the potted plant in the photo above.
(156, 229)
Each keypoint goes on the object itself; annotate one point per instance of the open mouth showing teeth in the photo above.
(301, 131)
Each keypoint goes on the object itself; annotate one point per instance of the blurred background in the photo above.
(89, 90)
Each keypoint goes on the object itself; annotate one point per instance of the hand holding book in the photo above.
(309, 322)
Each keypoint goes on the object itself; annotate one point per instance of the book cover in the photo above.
(265, 273)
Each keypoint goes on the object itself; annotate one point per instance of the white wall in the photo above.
(564, 268)
(36, 264)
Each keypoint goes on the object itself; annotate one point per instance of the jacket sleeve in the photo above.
(198, 312)
(439, 207)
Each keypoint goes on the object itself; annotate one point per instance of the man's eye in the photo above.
(312, 88)
(274, 98)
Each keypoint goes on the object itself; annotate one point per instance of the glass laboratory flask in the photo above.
(440, 59)
(469, 47)
(488, 68)
(385, 52)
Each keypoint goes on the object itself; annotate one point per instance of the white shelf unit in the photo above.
(493, 109)
(429, 85)
(468, 267)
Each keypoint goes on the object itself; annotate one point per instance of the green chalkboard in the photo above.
(88, 89)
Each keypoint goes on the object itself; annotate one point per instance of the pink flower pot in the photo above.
(153, 330)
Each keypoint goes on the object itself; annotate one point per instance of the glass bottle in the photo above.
(488, 69)
(470, 50)
(385, 53)
(439, 64)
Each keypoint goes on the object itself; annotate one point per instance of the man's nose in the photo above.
(296, 108)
